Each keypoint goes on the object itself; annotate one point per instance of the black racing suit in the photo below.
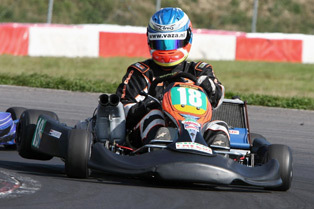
(139, 77)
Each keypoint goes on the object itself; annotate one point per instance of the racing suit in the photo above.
(144, 117)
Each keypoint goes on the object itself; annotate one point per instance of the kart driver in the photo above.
(169, 36)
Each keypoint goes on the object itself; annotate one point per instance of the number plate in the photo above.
(189, 100)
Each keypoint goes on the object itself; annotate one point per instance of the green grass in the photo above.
(274, 79)
(287, 85)
(106, 70)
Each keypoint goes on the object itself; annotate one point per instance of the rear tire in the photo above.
(78, 154)
(25, 131)
(283, 155)
(16, 112)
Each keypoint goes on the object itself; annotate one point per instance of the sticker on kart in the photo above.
(188, 100)
(41, 123)
(193, 146)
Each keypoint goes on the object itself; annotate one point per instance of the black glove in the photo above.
(139, 110)
(149, 103)
(207, 84)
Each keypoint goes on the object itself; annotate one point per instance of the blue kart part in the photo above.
(234, 112)
(239, 138)
(7, 129)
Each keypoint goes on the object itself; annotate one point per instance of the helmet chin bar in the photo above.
(170, 64)
(170, 58)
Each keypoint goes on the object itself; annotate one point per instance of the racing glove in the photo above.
(215, 92)
(207, 84)
(139, 110)
(149, 103)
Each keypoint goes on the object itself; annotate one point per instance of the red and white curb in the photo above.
(104, 40)
(13, 185)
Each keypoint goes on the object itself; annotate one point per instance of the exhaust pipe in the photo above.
(114, 99)
(105, 100)
(110, 120)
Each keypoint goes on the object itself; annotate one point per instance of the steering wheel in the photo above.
(170, 77)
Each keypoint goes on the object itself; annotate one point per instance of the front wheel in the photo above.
(283, 155)
(78, 154)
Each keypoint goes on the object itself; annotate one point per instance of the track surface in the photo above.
(43, 184)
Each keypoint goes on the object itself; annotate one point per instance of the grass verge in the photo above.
(83, 85)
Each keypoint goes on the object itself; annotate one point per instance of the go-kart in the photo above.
(101, 143)
(8, 121)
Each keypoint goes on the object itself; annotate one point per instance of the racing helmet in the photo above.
(7, 127)
(169, 36)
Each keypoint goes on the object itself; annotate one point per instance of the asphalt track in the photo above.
(43, 184)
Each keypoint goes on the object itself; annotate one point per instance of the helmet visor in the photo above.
(167, 41)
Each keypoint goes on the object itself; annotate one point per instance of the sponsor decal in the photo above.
(193, 146)
(41, 123)
(55, 134)
(126, 81)
(203, 64)
(235, 132)
(189, 86)
(139, 66)
(161, 135)
(165, 27)
(192, 126)
(159, 27)
(219, 142)
(167, 36)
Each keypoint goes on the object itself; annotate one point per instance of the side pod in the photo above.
(50, 137)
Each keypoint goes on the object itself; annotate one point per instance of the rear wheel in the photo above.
(78, 154)
(283, 155)
(25, 131)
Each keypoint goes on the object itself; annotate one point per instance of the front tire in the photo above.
(78, 154)
(25, 131)
(283, 155)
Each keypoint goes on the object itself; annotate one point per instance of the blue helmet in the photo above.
(7, 127)
(169, 36)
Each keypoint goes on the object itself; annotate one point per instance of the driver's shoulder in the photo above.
(142, 66)
(200, 66)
